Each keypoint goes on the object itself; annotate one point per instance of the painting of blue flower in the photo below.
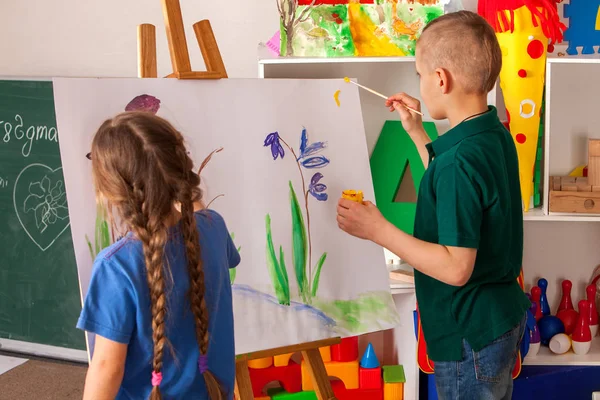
(308, 157)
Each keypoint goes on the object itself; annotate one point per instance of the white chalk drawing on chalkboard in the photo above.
(40, 203)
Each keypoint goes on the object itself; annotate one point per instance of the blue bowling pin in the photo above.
(543, 284)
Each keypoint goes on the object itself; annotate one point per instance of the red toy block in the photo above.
(289, 377)
(346, 351)
(369, 378)
(341, 393)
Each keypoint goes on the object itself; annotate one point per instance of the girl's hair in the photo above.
(141, 167)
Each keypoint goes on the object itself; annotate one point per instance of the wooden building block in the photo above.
(594, 162)
(555, 183)
(583, 184)
(595, 188)
(574, 202)
(347, 372)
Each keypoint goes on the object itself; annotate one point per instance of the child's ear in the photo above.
(443, 80)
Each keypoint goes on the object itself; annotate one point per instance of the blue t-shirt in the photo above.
(117, 307)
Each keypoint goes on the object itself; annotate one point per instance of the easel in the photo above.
(215, 69)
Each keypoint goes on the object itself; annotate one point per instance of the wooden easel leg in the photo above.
(243, 385)
(209, 48)
(180, 58)
(147, 51)
(318, 374)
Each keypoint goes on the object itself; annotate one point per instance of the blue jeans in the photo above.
(481, 375)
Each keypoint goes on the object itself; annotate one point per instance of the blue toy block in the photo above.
(584, 24)
(369, 359)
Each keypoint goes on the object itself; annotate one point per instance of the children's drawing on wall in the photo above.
(345, 28)
(274, 169)
(40, 202)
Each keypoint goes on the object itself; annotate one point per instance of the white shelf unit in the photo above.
(566, 249)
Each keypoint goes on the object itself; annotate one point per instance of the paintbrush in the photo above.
(380, 95)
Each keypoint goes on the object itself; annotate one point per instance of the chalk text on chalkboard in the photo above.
(17, 130)
(3, 183)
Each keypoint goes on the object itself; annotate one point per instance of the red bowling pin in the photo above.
(591, 298)
(565, 302)
(536, 294)
(582, 336)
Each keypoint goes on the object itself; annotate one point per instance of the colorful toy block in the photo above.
(325, 353)
(261, 363)
(394, 379)
(341, 393)
(369, 378)
(282, 360)
(369, 359)
(393, 374)
(345, 351)
(281, 394)
(347, 372)
(289, 377)
(393, 391)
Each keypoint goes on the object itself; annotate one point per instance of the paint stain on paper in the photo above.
(336, 97)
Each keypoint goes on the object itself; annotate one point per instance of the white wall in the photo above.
(98, 38)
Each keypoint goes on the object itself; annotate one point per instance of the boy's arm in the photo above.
(448, 264)
(106, 371)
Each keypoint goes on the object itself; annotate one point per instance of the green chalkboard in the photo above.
(39, 291)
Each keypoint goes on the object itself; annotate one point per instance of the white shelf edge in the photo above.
(579, 59)
(333, 60)
(546, 357)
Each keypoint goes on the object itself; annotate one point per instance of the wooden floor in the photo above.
(22, 379)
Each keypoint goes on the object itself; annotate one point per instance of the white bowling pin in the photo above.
(594, 330)
(533, 349)
(581, 348)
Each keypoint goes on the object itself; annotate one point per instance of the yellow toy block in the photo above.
(261, 363)
(283, 360)
(393, 391)
(347, 372)
(325, 353)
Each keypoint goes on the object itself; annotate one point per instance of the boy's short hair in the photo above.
(465, 44)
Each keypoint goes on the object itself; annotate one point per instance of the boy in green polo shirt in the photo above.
(467, 247)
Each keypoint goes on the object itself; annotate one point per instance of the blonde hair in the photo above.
(465, 44)
(141, 167)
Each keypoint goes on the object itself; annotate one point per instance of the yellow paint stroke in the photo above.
(336, 97)
(363, 31)
(346, 79)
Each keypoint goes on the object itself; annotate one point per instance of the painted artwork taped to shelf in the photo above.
(346, 28)
(274, 170)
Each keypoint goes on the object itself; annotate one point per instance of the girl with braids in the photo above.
(159, 299)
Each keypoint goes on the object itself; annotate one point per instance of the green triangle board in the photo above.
(395, 162)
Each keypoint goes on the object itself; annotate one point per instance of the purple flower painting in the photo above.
(144, 102)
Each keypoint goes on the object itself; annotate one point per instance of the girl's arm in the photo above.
(105, 374)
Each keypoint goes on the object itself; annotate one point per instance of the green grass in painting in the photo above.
(233, 271)
(368, 310)
(101, 233)
(315, 285)
(299, 246)
(276, 268)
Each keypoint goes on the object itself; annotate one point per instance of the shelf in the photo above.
(553, 58)
(325, 60)
(537, 214)
(546, 357)
(401, 288)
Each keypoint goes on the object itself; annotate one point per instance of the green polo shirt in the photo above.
(470, 197)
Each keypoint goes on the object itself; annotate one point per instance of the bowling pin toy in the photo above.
(565, 302)
(543, 284)
(591, 298)
(582, 336)
(560, 344)
(534, 338)
(536, 294)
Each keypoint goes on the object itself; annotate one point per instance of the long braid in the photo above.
(187, 194)
(153, 234)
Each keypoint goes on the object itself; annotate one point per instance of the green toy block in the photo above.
(395, 159)
(281, 394)
(393, 374)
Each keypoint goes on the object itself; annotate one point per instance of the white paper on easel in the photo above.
(277, 136)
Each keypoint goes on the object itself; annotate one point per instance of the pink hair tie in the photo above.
(156, 378)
